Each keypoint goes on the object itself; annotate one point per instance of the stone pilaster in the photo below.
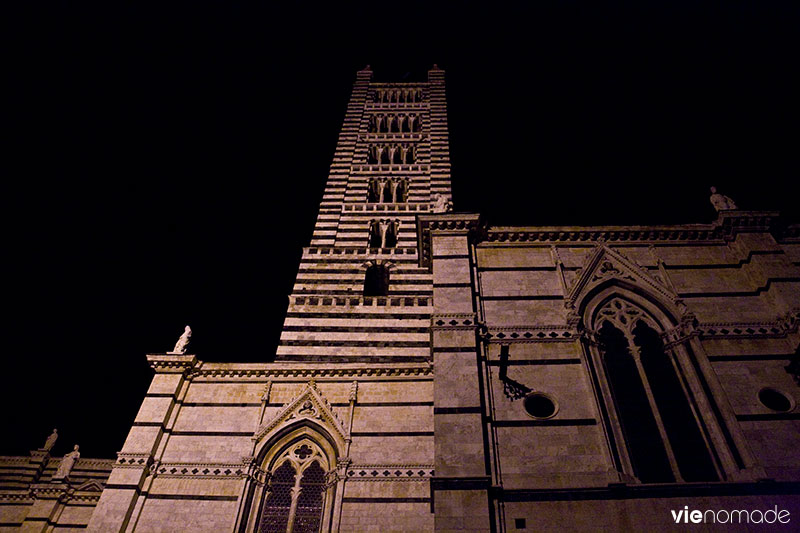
(461, 485)
(124, 487)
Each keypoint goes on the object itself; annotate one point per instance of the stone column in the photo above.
(460, 488)
(124, 487)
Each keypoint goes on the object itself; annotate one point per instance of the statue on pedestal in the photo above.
(67, 462)
(441, 204)
(183, 341)
(720, 201)
(51, 440)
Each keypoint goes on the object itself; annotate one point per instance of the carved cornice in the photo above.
(389, 170)
(171, 363)
(738, 221)
(357, 251)
(393, 136)
(22, 497)
(83, 464)
(14, 459)
(455, 223)
(49, 491)
(727, 225)
(359, 301)
(310, 372)
(549, 235)
(386, 208)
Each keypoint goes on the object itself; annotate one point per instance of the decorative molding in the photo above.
(384, 207)
(133, 460)
(456, 224)
(357, 251)
(307, 300)
(309, 404)
(82, 464)
(524, 334)
(455, 321)
(295, 373)
(171, 363)
(723, 229)
(413, 136)
(390, 472)
(22, 497)
(392, 169)
(603, 264)
(778, 328)
(203, 470)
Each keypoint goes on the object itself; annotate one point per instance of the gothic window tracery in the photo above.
(397, 95)
(394, 123)
(661, 434)
(391, 153)
(383, 233)
(296, 491)
(387, 190)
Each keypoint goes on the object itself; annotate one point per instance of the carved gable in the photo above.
(91, 486)
(604, 264)
(310, 405)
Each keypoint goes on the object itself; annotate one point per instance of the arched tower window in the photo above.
(662, 435)
(383, 233)
(296, 491)
(376, 280)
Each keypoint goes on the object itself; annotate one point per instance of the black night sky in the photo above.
(162, 165)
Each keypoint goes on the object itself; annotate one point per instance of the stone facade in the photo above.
(436, 374)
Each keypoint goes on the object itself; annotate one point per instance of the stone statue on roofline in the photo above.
(720, 201)
(183, 341)
(51, 440)
(67, 462)
(441, 204)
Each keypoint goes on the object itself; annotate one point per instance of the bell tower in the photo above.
(360, 295)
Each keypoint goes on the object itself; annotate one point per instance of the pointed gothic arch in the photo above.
(654, 426)
(298, 453)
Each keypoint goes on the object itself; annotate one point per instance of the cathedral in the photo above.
(438, 374)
